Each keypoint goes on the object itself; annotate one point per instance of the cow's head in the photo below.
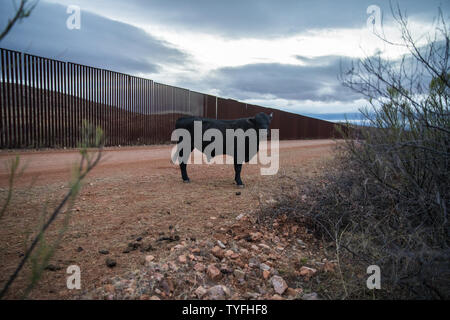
(262, 120)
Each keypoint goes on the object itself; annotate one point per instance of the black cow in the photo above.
(260, 121)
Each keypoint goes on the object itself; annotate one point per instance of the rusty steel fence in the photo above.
(44, 102)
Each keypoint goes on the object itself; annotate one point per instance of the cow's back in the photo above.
(187, 123)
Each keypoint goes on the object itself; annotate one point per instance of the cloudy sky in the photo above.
(282, 54)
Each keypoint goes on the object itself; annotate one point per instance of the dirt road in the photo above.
(135, 192)
(55, 166)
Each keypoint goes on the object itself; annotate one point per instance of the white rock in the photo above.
(279, 285)
(301, 243)
(264, 266)
(220, 243)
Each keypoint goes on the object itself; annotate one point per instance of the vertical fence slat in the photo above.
(147, 111)
(84, 84)
(140, 113)
(34, 100)
(47, 76)
(40, 79)
(10, 97)
(65, 94)
(3, 115)
(109, 109)
(136, 112)
(103, 102)
(115, 109)
(55, 104)
(97, 89)
(82, 98)
(91, 103)
(112, 110)
(151, 113)
(97, 86)
(23, 115)
(89, 99)
(114, 140)
(131, 118)
(59, 91)
(85, 97)
(123, 107)
(66, 115)
(40, 93)
(78, 106)
(69, 96)
(72, 81)
(59, 106)
(29, 107)
(131, 107)
(130, 91)
(71, 107)
(19, 105)
(115, 93)
(51, 103)
(143, 107)
(144, 110)
(13, 100)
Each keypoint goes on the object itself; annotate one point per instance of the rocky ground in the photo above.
(245, 260)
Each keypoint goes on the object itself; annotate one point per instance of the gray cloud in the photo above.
(316, 81)
(253, 18)
(100, 42)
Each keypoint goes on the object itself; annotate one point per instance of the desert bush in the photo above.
(406, 153)
(385, 201)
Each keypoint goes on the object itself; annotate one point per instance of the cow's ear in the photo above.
(271, 115)
(252, 121)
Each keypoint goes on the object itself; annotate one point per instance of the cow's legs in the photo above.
(184, 174)
(237, 176)
(183, 165)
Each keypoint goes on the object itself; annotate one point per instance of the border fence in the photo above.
(44, 102)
